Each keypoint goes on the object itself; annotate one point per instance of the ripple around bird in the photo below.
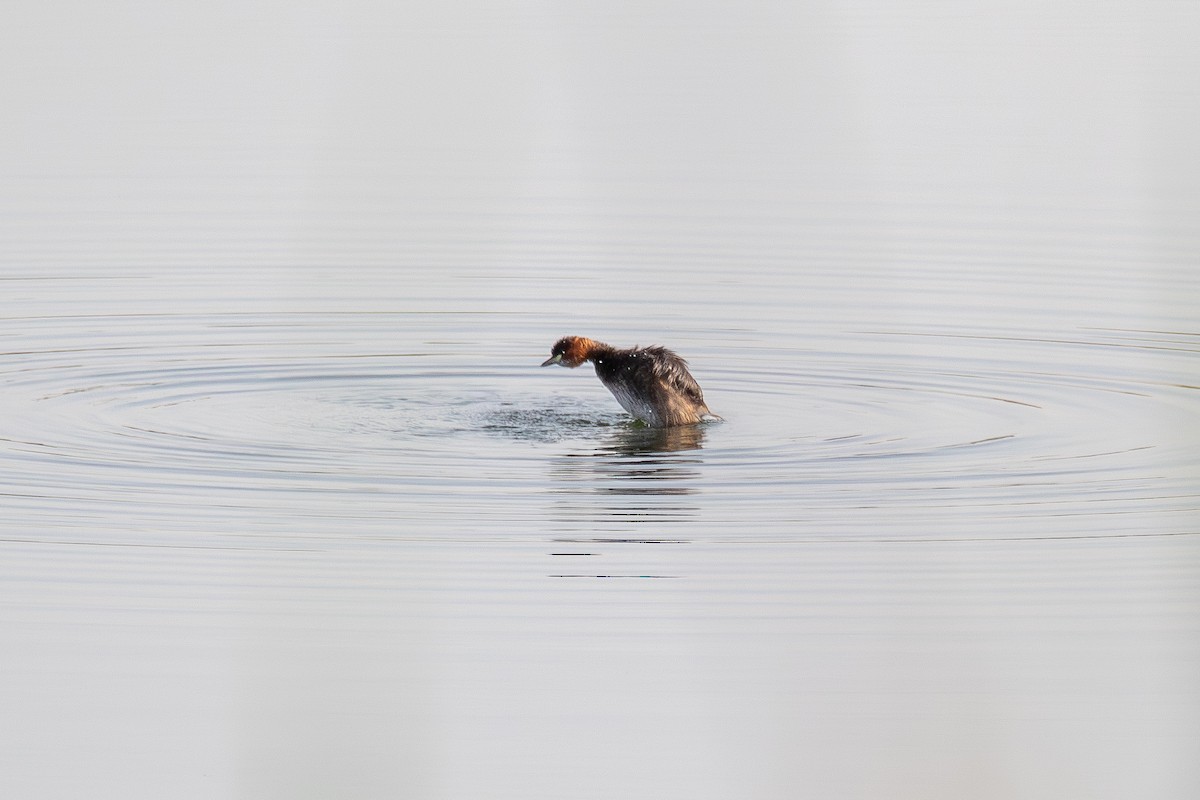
(828, 437)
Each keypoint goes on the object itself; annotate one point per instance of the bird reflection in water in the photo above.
(635, 460)
(641, 440)
(631, 489)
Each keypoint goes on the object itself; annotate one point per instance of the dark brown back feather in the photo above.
(673, 370)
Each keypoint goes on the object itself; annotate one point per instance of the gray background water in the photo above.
(290, 511)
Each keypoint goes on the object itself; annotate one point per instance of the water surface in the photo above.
(289, 509)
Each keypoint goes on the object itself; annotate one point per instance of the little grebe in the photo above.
(651, 383)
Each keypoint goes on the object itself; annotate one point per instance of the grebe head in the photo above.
(570, 351)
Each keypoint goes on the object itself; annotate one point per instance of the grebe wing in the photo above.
(672, 369)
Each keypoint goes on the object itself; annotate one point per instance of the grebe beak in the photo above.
(552, 360)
